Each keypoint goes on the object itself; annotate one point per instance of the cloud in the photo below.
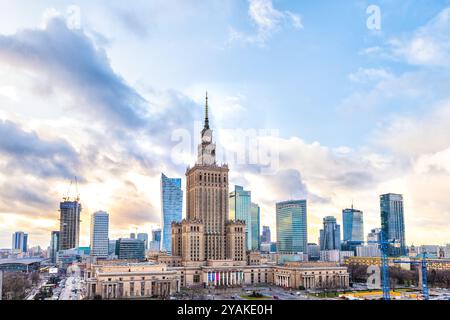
(429, 45)
(267, 20)
(35, 156)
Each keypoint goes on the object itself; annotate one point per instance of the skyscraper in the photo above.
(392, 223)
(206, 233)
(330, 235)
(143, 237)
(255, 226)
(291, 226)
(20, 241)
(69, 224)
(155, 243)
(374, 236)
(54, 245)
(266, 237)
(100, 234)
(353, 226)
(171, 207)
(240, 210)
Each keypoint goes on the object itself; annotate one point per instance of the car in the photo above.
(276, 298)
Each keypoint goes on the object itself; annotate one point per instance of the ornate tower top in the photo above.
(206, 113)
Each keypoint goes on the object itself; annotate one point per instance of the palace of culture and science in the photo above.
(208, 250)
(206, 233)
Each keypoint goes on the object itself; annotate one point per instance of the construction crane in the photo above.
(67, 196)
(423, 271)
(384, 244)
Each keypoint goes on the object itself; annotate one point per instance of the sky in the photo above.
(346, 105)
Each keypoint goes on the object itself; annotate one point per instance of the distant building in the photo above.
(330, 255)
(371, 250)
(255, 225)
(155, 243)
(313, 252)
(374, 236)
(20, 241)
(266, 237)
(240, 210)
(69, 230)
(100, 234)
(54, 246)
(447, 251)
(330, 235)
(353, 229)
(143, 237)
(112, 247)
(392, 223)
(291, 226)
(130, 249)
(171, 209)
(132, 235)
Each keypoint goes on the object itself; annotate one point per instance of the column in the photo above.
(215, 279)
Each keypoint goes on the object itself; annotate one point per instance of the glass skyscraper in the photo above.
(392, 223)
(54, 245)
(266, 237)
(255, 220)
(100, 234)
(143, 237)
(291, 226)
(240, 209)
(171, 207)
(330, 235)
(353, 226)
(20, 241)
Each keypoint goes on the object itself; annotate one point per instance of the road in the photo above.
(72, 290)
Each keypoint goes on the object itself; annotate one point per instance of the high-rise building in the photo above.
(54, 246)
(132, 235)
(112, 247)
(353, 226)
(171, 208)
(206, 233)
(291, 226)
(330, 235)
(143, 237)
(240, 210)
(266, 237)
(130, 249)
(392, 223)
(100, 234)
(255, 226)
(155, 243)
(374, 236)
(20, 241)
(69, 224)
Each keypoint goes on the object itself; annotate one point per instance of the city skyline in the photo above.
(266, 65)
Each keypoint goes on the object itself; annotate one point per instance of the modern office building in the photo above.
(20, 241)
(100, 234)
(240, 210)
(353, 227)
(69, 229)
(313, 251)
(392, 223)
(266, 236)
(143, 237)
(330, 235)
(171, 208)
(374, 236)
(155, 243)
(255, 226)
(291, 219)
(112, 247)
(130, 249)
(54, 246)
(370, 250)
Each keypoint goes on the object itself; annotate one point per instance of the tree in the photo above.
(35, 277)
(15, 284)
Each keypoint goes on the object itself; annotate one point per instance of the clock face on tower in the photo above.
(207, 136)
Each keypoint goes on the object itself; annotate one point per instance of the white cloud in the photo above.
(267, 20)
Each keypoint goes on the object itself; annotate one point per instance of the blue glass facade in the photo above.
(392, 223)
(240, 209)
(255, 219)
(353, 226)
(291, 226)
(171, 207)
(330, 235)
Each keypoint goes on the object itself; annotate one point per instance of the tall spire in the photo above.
(206, 113)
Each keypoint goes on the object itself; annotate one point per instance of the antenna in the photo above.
(76, 189)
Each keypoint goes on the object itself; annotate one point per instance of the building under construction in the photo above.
(69, 228)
